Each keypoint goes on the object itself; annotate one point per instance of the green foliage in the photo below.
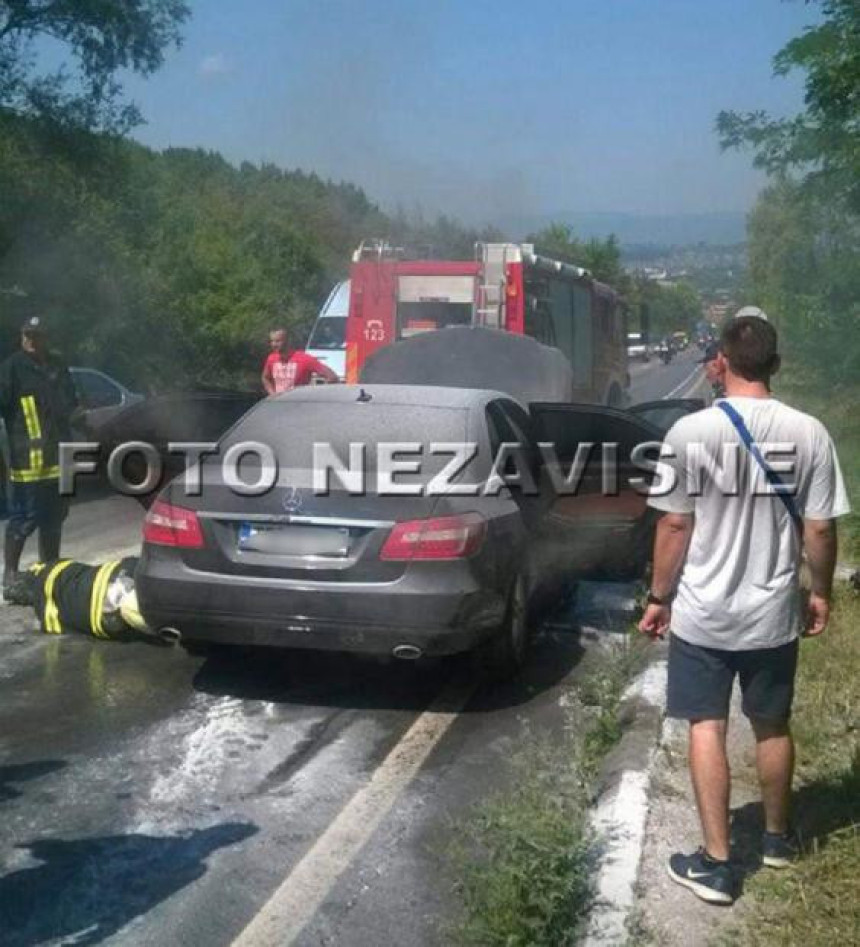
(804, 234)
(102, 37)
(672, 308)
(815, 904)
(524, 858)
(803, 265)
(602, 258)
(823, 142)
(813, 389)
(168, 268)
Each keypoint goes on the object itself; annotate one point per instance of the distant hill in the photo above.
(664, 230)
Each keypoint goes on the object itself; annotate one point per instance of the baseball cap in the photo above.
(751, 311)
(712, 350)
(33, 326)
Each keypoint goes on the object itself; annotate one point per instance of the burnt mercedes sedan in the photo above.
(395, 519)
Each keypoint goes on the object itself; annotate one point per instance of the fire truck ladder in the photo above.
(490, 302)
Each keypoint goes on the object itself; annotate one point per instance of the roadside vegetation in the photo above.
(815, 903)
(523, 857)
(167, 268)
(836, 405)
(804, 244)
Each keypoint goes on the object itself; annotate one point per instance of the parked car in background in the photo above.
(100, 396)
(411, 574)
(202, 416)
(327, 340)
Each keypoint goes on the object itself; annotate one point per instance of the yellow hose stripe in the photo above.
(52, 613)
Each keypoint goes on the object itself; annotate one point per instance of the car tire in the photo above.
(504, 655)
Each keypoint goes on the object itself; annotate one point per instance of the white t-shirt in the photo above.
(739, 585)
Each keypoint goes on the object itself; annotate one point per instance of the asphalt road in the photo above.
(654, 380)
(152, 798)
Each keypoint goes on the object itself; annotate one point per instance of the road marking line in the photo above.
(283, 917)
(682, 385)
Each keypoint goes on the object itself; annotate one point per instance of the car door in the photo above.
(598, 526)
(664, 413)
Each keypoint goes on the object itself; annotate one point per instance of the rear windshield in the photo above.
(293, 429)
(328, 333)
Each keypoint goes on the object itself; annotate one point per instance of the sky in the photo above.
(484, 109)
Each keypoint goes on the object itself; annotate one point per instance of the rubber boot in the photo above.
(13, 547)
(49, 543)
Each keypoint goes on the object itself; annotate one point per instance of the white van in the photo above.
(327, 341)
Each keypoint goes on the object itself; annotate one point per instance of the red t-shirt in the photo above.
(288, 372)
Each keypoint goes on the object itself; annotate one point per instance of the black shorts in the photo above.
(701, 680)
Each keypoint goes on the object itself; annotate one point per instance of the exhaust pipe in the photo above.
(407, 652)
(170, 635)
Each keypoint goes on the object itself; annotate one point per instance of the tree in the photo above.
(675, 308)
(803, 264)
(102, 38)
(823, 142)
(602, 258)
(804, 233)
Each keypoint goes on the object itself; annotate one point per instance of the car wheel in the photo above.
(504, 655)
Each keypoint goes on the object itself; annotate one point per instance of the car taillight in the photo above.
(444, 537)
(166, 525)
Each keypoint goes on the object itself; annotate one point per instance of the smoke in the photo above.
(367, 109)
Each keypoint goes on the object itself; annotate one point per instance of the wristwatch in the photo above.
(653, 599)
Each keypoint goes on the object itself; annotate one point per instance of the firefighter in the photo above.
(93, 600)
(37, 400)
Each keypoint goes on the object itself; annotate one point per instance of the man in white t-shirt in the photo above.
(726, 582)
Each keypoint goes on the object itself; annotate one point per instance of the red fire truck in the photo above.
(507, 286)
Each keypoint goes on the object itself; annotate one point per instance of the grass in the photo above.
(817, 902)
(524, 856)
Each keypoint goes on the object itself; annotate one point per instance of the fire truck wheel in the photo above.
(504, 655)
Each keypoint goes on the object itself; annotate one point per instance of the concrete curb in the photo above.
(620, 814)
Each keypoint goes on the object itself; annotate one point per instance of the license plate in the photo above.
(289, 540)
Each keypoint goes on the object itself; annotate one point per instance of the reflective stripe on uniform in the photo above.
(31, 417)
(97, 598)
(52, 612)
(37, 469)
(33, 473)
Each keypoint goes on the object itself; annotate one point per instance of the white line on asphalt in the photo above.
(305, 888)
(683, 384)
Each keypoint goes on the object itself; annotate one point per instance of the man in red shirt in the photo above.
(283, 372)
